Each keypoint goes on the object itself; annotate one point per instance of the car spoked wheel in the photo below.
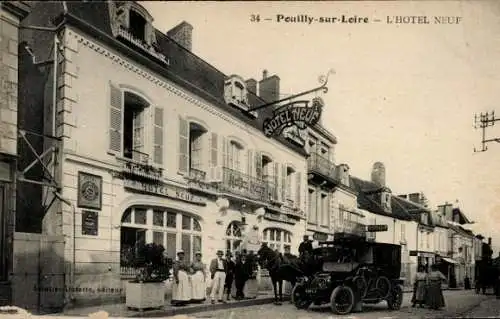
(396, 298)
(383, 285)
(361, 286)
(299, 298)
(342, 300)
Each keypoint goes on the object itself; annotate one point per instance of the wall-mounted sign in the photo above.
(413, 253)
(297, 113)
(320, 236)
(90, 223)
(376, 228)
(89, 191)
(165, 190)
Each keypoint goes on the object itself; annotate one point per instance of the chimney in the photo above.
(378, 174)
(182, 34)
(269, 87)
(414, 197)
(489, 241)
(252, 92)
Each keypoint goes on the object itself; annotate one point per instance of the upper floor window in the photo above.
(290, 173)
(312, 206)
(197, 134)
(236, 93)
(324, 207)
(235, 154)
(137, 25)
(403, 232)
(267, 169)
(135, 131)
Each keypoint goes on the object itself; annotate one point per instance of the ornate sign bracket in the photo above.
(322, 79)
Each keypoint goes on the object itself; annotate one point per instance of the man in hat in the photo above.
(229, 274)
(218, 268)
(305, 246)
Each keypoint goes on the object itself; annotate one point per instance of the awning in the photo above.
(449, 260)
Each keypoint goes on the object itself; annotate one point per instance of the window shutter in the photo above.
(115, 123)
(283, 182)
(183, 145)
(258, 165)
(250, 163)
(214, 152)
(225, 151)
(158, 136)
(277, 182)
(298, 190)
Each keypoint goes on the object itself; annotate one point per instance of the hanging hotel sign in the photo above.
(165, 190)
(298, 113)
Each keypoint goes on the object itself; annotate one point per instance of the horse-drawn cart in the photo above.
(350, 273)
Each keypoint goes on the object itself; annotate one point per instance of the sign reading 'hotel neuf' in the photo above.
(297, 113)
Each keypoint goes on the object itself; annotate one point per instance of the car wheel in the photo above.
(396, 298)
(299, 298)
(342, 300)
(383, 285)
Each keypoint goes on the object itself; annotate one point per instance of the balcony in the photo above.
(136, 166)
(237, 183)
(197, 175)
(321, 170)
(125, 34)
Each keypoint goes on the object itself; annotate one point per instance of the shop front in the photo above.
(447, 266)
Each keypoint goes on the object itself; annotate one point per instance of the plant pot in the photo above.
(144, 295)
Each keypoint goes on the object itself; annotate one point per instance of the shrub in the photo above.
(154, 267)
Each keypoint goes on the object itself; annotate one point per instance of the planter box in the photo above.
(145, 295)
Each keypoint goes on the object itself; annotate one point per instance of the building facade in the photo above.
(11, 13)
(159, 146)
(331, 201)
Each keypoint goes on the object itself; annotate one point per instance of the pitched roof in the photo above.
(186, 69)
(366, 201)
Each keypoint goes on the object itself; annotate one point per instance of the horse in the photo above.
(274, 262)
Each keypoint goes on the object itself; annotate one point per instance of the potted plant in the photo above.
(147, 290)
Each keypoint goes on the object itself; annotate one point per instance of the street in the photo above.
(458, 303)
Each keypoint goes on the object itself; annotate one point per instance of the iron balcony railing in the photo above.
(319, 164)
(135, 163)
(241, 184)
(127, 35)
(197, 174)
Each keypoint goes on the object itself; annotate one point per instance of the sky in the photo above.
(402, 94)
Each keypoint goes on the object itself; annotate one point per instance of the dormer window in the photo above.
(137, 25)
(235, 93)
(386, 201)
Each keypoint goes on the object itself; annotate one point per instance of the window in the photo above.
(290, 173)
(312, 144)
(277, 238)
(134, 139)
(142, 225)
(197, 136)
(267, 169)
(312, 206)
(137, 25)
(235, 92)
(403, 232)
(233, 237)
(234, 156)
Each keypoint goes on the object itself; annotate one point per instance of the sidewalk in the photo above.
(121, 311)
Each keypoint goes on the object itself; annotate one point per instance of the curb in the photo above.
(204, 308)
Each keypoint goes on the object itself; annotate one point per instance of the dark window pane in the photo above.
(196, 243)
(278, 235)
(196, 225)
(171, 220)
(140, 216)
(186, 246)
(186, 223)
(158, 218)
(158, 237)
(127, 216)
(171, 245)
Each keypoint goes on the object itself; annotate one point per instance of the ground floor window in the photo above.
(233, 237)
(173, 230)
(277, 238)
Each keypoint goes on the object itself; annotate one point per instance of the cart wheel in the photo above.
(299, 298)
(396, 298)
(342, 300)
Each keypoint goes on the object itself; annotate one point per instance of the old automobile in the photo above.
(352, 271)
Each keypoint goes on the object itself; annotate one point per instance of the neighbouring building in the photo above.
(460, 244)
(380, 207)
(441, 243)
(158, 146)
(332, 205)
(11, 13)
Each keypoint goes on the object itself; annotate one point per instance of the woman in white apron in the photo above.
(181, 289)
(198, 279)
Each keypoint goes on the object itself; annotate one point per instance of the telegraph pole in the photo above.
(482, 121)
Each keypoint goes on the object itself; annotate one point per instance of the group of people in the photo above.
(427, 290)
(189, 285)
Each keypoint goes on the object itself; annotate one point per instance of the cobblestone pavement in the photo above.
(488, 308)
(458, 303)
